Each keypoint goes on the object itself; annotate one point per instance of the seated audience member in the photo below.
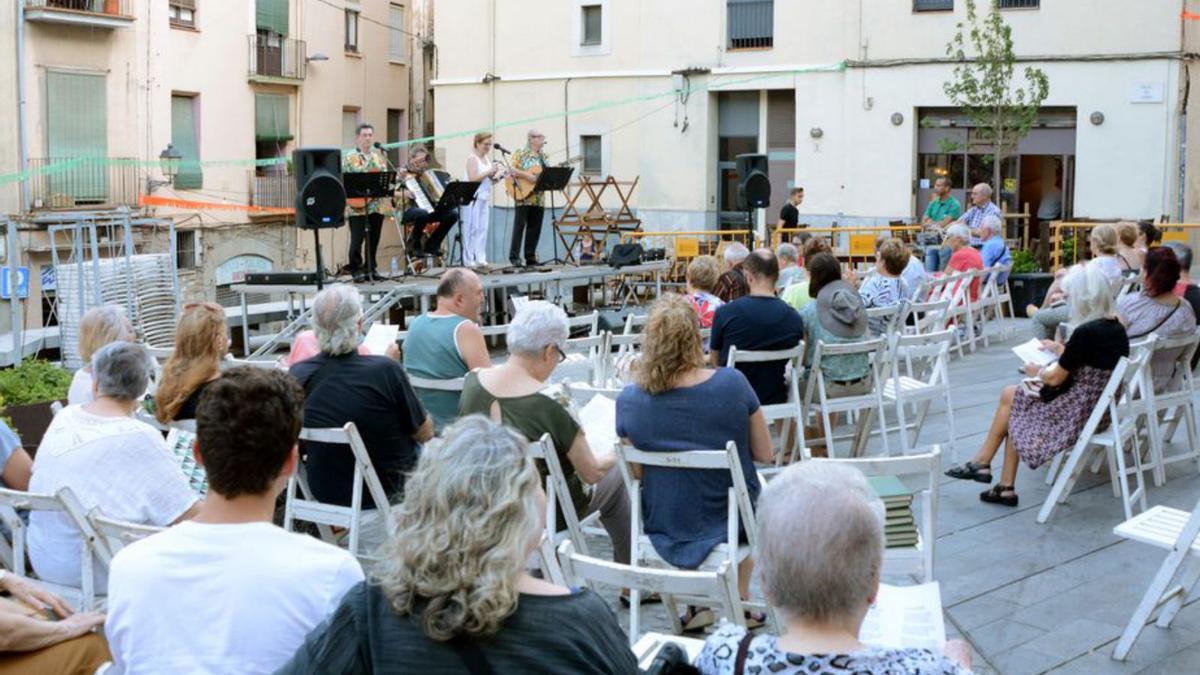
(340, 386)
(963, 256)
(702, 273)
(1185, 288)
(15, 464)
(512, 393)
(758, 322)
(994, 251)
(111, 462)
(797, 295)
(914, 273)
(789, 268)
(201, 341)
(446, 343)
(476, 493)
(1130, 257)
(820, 552)
(1054, 310)
(32, 643)
(1156, 309)
(732, 284)
(670, 408)
(1149, 236)
(1036, 427)
(886, 288)
(304, 346)
(98, 327)
(229, 591)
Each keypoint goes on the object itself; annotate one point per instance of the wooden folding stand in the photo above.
(595, 219)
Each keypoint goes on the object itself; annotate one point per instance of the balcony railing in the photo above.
(274, 58)
(94, 13)
(277, 190)
(72, 183)
(751, 23)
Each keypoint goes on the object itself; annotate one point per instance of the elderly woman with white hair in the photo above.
(98, 327)
(111, 461)
(790, 271)
(1037, 422)
(512, 393)
(342, 385)
(963, 256)
(732, 284)
(451, 593)
(820, 551)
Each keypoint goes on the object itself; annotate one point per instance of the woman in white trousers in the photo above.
(475, 215)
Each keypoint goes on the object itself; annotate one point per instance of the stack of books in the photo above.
(899, 528)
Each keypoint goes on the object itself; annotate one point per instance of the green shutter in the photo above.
(77, 126)
(272, 15)
(271, 118)
(183, 137)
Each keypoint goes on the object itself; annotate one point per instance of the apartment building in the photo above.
(846, 99)
(231, 86)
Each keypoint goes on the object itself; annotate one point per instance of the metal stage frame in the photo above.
(384, 295)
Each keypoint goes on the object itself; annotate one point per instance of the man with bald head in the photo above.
(447, 343)
(981, 207)
(527, 218)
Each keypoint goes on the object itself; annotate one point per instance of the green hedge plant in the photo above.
(33, 381)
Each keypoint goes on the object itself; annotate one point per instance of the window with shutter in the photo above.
(396, 33)
(271, 118)
(77, 126)
(272, 15)
(186, 141)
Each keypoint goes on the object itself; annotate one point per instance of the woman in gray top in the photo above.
(451, 594)
(1157, 309)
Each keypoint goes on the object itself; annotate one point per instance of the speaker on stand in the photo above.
(320, 195)
(754, 185)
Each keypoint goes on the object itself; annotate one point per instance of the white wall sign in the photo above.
(1147, 92)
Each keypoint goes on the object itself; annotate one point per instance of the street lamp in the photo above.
(168, 160)
(319, 56)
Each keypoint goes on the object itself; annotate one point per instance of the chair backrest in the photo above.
(635, 322)
(924, 356)
(922, 470)
(928, 316)
(1180, 350)
(589, 321)
(884, 317)
(873, 349)
(118, 533)
(596, 350)
(558, 493)
(229, 362)
(793, 408)
(453, 384)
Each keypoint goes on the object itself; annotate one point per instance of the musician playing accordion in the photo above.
(429, 226)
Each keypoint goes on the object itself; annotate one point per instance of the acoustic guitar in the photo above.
(519, 188)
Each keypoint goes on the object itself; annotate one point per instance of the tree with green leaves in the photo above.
(983, 84)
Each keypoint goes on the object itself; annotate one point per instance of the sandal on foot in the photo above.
(697, 619)
(971, 471)
(996, 495)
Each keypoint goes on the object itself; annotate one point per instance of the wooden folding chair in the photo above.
(717, 588)
(326, 516)
(818, 386)
(594, 350)
(1174, 583)
(1175, 403)
(923, 472)
(558, 500)
(920, 373)
(118, 533)
(928, 317)
(791, 413)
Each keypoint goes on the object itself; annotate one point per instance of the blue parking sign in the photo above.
(6, 283)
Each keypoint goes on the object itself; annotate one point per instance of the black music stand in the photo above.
(372, 185)
(553, 179)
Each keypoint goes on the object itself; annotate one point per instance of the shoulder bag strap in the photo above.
(739, 664)
(1159, 324)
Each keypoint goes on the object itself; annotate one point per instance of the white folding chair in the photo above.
(594, 350)
(634, 323)
(729, 552)
(118, 534)
(1121, 403)
(15, 506)
(1174, 583)
(229, 362)
(717, 588)
(993, 295)
(792, 411)
(589, 321)
(325, 516)
(884, 318)
(628, 347)
(870, 402)
(558, 500)
(920, 373)
(922, 472)
(454, 384)
(1175, 403)
(928, 317)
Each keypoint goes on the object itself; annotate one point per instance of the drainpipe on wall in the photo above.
(22, 132)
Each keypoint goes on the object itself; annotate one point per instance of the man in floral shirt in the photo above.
(527, 219)
(366, 221)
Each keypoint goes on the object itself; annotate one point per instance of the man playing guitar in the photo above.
(526, 164)
(418, 218)
(366, 215)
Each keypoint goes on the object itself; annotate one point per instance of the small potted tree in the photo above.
(27, 391)
(1028, 283)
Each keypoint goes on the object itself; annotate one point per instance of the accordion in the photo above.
(427, 188)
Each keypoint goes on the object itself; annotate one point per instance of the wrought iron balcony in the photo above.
(92, 13)
(276, 189)
(76, 183)
(276, 59)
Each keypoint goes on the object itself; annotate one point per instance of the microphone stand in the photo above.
(512, 228)
(395, 219)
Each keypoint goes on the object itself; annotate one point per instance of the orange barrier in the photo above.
(191, 205)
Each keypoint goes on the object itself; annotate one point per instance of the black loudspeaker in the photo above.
(754, 187)
(320, 196)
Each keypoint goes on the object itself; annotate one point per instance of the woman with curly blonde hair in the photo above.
(677, 404)
(451, 592)
(201, 341)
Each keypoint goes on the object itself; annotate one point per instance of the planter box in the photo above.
(30, 422)
(1029, 288)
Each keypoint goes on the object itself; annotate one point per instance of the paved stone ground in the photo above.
(1033, 598)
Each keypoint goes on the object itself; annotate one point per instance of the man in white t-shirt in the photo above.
(229, 592)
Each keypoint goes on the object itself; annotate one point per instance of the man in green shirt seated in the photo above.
(942, 210)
